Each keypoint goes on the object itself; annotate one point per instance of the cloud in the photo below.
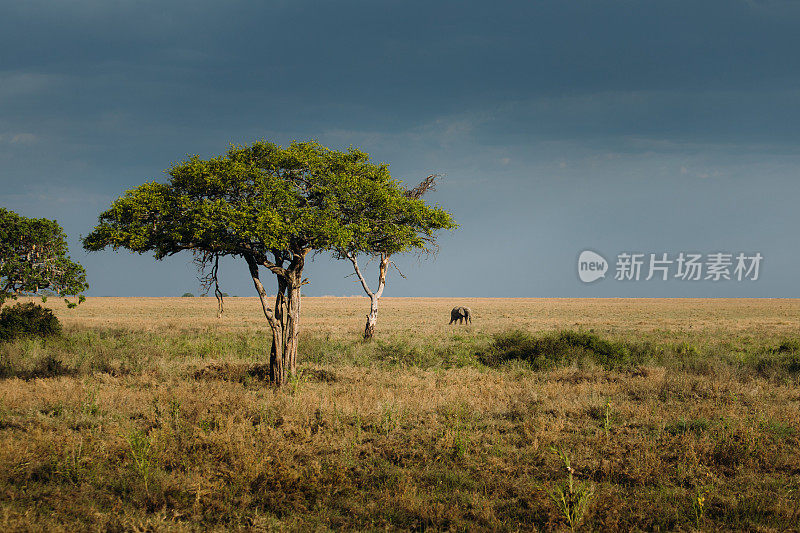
(25, 84)
(24, 138)
(702, 174)
(18, 138)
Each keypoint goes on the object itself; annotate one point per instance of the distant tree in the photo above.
(187, 295)
(34, 260)
(272, 207)
(391, 237)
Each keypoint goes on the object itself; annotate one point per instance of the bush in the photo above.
(783, 360)
(789, 346)
(28, 320)
(788, 354)
(560, 349)
(404, 353)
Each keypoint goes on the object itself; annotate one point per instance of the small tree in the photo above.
(34, 260)
(270, 206)
(380, 245)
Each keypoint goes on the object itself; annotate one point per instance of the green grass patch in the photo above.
(551, 350)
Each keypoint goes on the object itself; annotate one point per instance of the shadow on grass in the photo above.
(48, 366)
(259, 372)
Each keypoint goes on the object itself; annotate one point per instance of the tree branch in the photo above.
(428, 184)
(8, 287)
(364, 284)
(272, 267)
(262, 293)
(384, 263)
(398, 270)
(263, 261)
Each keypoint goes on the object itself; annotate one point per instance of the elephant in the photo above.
(462, 314)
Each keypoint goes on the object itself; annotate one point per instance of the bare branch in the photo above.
(211, 278)
(364, 284)
(428, 184)
(262, 293)
(398, 270)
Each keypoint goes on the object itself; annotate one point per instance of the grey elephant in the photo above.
(462, 314)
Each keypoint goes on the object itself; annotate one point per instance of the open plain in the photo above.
(152, 414)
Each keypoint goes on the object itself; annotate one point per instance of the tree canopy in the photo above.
(34, 260)
(271, 206)
(375, 244)
(262, 198)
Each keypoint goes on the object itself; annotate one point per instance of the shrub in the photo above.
(789, 355)
(403, 352)
(781, 361)
(790, 346)
(28, 320)
(559, 349)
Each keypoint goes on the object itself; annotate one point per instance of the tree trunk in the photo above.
(372, 317)
(220, 308)
(275, 317)
(284, 317)
(277, 356)
(292, 328)
(277, 370)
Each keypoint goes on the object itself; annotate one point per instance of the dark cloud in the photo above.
(543, 115)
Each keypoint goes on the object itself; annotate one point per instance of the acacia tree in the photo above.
(379, 245)
(270, 206)
(33, 259)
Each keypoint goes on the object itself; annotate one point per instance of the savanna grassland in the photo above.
(152, 414)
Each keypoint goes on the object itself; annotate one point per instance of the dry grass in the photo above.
(429, 316)
(156, 416)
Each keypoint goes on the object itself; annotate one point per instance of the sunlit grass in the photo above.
(167, 422)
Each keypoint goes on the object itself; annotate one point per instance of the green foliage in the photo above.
(33, 259)
(789, 346)
(29, 319)
(571, 498)
(187, 295)
(558, 349)
(261, 198)
(790, 355)
(782, 361)
(699, 505)
(141, 453)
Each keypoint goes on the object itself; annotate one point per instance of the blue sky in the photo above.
(559, 126)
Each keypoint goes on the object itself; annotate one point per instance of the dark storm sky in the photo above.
(647, 126)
